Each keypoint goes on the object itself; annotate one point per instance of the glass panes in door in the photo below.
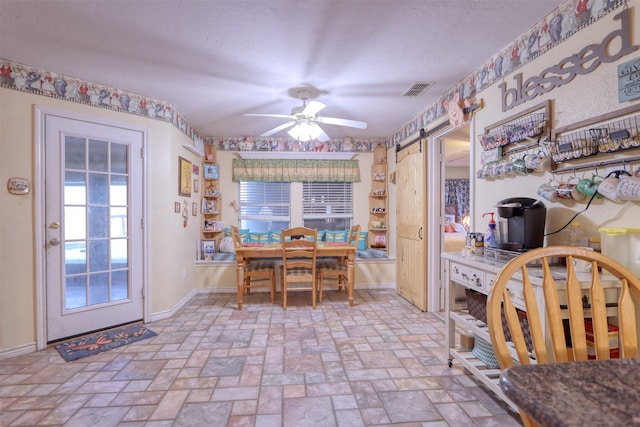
(96, 222)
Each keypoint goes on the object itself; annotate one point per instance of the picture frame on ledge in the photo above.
(210, 171)
(208, 249)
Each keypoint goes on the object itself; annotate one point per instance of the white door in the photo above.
(93, 222)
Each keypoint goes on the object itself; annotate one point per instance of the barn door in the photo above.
(411, 224)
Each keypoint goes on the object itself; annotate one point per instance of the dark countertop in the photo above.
(592, 393)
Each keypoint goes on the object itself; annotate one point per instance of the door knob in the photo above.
(54, 242)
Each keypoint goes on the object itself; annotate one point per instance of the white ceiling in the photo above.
(216, 60)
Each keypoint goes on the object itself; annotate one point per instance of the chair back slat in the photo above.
(599, 315)
(537, 337)
(558, 340)
(628, 310)
(576, 313)
(517, 335)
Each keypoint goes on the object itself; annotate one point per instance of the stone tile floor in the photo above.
(381, 362)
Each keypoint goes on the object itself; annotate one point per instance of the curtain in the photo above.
(456, 193)
(292, 170)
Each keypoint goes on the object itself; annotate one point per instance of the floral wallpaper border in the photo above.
(563, 22)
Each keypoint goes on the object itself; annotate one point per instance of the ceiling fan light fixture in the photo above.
(305, 131)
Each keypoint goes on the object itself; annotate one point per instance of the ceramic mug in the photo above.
(480, 174)
(538, 162)
(589, 186)
(609, 188)
(629, 188)
(520, 167)
(568, 191)
(548, 192)
(499, 169)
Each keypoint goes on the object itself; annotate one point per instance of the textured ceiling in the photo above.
(216, 60)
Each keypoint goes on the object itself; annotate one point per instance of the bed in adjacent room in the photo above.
(454, 234)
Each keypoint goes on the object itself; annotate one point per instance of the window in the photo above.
(327, 205)
(264, 206)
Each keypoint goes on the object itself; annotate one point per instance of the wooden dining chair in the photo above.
(334, 271)
(298, 270)
(257, 273)
(571, 307)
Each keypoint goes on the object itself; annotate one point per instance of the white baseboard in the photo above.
(18, 351)
(154, 317)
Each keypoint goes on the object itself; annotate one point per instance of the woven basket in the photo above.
(477, 304)
(483, 350)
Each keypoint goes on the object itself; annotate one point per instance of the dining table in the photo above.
(585, 393)
(273, 250)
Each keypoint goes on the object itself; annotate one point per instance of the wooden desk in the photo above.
(274, 250)
(592, 393)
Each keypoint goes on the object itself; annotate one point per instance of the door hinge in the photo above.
(142, 153)
(142, 223)
(142, 292)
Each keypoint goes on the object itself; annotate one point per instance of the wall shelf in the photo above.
(378, 234)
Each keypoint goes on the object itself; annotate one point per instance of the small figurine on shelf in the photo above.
(379, 241)
(209, 206)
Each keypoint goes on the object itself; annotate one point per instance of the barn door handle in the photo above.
(420, 233)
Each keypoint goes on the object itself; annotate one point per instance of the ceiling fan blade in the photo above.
(342, 122)
(323, 137)
(282, 116)
(312, 108)
(279, 128)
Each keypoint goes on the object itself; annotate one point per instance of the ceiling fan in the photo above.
(304, 120)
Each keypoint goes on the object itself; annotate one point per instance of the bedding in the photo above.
(454, 235)
(454, 242)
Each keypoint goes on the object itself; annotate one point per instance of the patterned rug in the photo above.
(103, 341)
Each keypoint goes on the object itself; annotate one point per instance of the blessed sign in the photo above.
(583, 62)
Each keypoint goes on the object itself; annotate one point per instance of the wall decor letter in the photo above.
(583, 62)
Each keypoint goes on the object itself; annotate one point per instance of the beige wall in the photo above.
(171, 247)
(585, 97)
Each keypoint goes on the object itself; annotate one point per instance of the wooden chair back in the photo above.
(559, 333)
(257, 273)
(299, 250)
(334, 271)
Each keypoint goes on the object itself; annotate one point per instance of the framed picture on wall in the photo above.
(185, 173)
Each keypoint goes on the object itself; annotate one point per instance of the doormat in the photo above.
(103, 341)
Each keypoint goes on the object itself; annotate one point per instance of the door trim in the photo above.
(435, 210)
(39, 115)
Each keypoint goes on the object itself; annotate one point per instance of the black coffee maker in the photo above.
(520, 224)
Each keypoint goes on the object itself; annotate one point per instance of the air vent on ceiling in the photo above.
(417, 89)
